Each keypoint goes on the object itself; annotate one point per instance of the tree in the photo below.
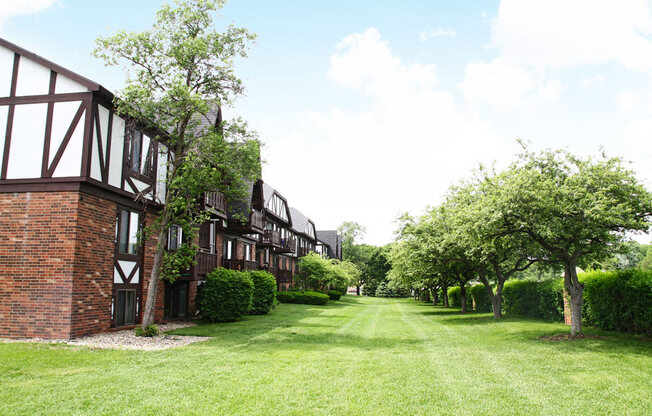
(359, 254)
(574, 210)
(179, 72)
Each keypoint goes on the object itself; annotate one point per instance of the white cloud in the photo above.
(536, 38)
(435, 33)
(23, 7)
(595, 81)
(627, 101)
(400, 153)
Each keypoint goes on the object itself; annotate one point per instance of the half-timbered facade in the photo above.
(78, 184)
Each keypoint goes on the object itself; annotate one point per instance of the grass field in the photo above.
(359, 356)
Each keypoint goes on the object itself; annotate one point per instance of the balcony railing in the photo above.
(257, 220)
(284, 276)
(270, 238)
(250, 265)
(254, 225)
(206, 262)
(216, 203)
(288, 245)
(303, 251)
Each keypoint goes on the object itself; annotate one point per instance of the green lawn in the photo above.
(359, 356)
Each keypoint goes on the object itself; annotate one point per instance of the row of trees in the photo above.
(317, 272)
(549, 208)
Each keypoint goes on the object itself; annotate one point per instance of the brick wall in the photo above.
(37, 263)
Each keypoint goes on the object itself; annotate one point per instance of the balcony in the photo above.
(284, 276)
(288, 245)
(303, 251)
(215, 202)
(240, 264)
(254, 225)
(206, 262)
(270, 238)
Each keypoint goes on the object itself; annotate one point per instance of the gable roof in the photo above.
(300, 221)
(268, 194)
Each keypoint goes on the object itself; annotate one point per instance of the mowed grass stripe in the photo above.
(359, 356)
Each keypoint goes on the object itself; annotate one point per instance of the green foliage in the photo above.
(149, 331)
(334, 295)
(318, 272)
(264, 294)
(385, 290)
(619, 300)
(303, 297)
(536, 299)
(455, 297)
(226, 295)
(481, 298)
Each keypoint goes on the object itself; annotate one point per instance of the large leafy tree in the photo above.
(179, 72)
(576, 210)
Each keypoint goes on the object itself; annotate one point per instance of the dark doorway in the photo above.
(125, 307)
(176, 300)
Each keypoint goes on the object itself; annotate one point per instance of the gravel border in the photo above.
(125, 340)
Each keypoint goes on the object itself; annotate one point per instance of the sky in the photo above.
(369, 109)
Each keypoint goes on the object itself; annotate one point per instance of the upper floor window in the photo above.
(277, 206)
(310, 229)
(127, 229)
(175, 237)
(141, 154)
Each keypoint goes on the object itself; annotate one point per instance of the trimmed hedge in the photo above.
(543, 300)
(264, 293)
(481, 298)
(225, 296)
(455, 297)
(618, 300)
(306, 298)
(334, 294)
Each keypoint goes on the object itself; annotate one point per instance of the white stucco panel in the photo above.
(66, 85)
(4, 110)
(70, 163)
(6, 70)
(117, 149)
(33, 78)
(27, 139)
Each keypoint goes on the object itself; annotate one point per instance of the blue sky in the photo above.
(371, 108)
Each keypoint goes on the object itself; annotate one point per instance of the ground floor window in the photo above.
(125, 307)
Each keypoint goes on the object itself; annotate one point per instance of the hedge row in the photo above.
(306, 298)
(455, 297)
(543, 300)
(228, 294)
(480, 298)
(619, 300)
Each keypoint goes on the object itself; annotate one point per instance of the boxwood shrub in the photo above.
(455, 297)
(225, 296)
(619, 300)
(334, 295)
(306, 298)
(481, 298)
(264, 293)
(536, 299)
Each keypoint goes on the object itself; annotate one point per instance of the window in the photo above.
(229, 249)
(127, 228)
(175, 236)
(247, 251)
(141, 153)
(125, 307)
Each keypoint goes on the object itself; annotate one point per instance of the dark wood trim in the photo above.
(54, 67)
(48, 127)
(10, 118)
(109, 134)
(88, 136)
(66, 140)
(100, 145)
(44, 98)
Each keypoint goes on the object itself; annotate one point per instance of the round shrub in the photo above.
(306, 298)
(455, 297)
(225, 296)
(334, 294)
(480, 298)
(619, 300)
(264, 292)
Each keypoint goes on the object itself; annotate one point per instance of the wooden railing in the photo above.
(284, 276)
(206, 262)
(250, 265)
(256, 220)
(303, 251)
(233, 264)
(270, 238)
(288, 245)
(215, 200)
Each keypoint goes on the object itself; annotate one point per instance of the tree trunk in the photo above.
(463, 297)
(357, 290)
(426, 295)
(152, 287)
(496, 298)
(444, 295)
(575, 289)
(434, 296)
